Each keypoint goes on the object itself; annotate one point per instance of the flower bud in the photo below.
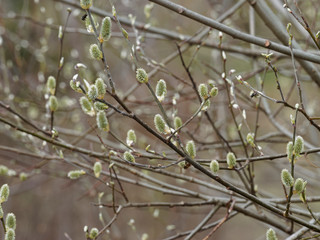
(250, 139)
(286, 178)
(177, 122)
(11, 221)
(53, 103)
(4, 193)
(191, 149)
(10, 235)
(97, 168)
(3, 170)
(203, 91)
(290, 150)
(271, 235)
(105, 31)
(92, 92)
(86, 106)
(99, 106)
(298, 146)
(160, 124)
(231, 160)
(161, 90)
(131, 137)
(141, 75)
(102, 121)
(85, 4)
(1, 211)
(214, 91)
(206, 105)
(51, 85)
(125, 33)
(74, 86)
(300, 185)
(214, 166)
(93, 233)
(74, 174)
(101, 88)
(129, 157)
(95, 52)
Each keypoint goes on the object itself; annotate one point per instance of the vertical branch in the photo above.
(60, 65)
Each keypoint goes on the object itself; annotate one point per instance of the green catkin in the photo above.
(102, 121)
(92, 92)
(53, 103)
(131, 137)
(101, 88)
(74, 174)
(214, 91)
(95, 52)
(206, 105)
(105, 31)
(93, 233)
(290, 150)
(231, 160)
(3, 170)
(271, 235)
(286, 178)
(99, 106)
(129, 157)
(177, 122)
(51, 85)
(10, 235)
(85, 4)
(141, 75)
(191, 149)
(97, 168)
(298, 146)
(214, 166)
(11, 221)
(74, 86)
(4, 193)
(161, 90)
(203, 91)
(86, 106)
(159, 123)
(250, 139)
(300, 185)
